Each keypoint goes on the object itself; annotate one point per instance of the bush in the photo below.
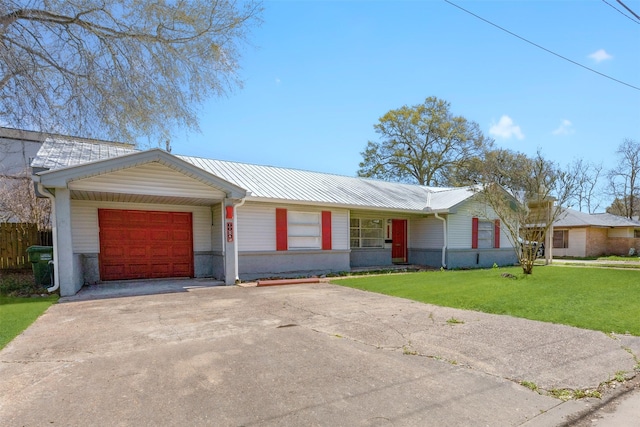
(19, 284)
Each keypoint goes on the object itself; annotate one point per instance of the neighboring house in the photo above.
(579, 234)
(127, 214)
(17, 149)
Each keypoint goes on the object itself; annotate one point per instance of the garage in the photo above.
(137, 244)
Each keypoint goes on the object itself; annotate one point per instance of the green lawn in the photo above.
(17, 313)
(592, 298)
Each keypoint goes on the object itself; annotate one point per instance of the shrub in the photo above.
(19, 284)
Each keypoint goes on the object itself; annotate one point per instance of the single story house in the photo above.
(121, 214)
(579, 234)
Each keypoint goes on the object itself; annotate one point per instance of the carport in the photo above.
(143, 214)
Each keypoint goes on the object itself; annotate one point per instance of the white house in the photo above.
(127, 214)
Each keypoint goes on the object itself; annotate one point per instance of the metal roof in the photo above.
(573, 218)
(57, 153)
(271, 183)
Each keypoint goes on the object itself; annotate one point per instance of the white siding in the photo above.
(340, 229)
(459, 226)
(217, 220)
(257, 226)
(84, 217)
(426, 233)
(620, 232)
(152, 179)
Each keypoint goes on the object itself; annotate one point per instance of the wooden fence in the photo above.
(15, 238)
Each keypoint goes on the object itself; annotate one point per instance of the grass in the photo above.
(18, 309)
(619, 258)
(17, 313)
(591, 298)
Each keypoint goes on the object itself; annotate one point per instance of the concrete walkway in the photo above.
(314, 354)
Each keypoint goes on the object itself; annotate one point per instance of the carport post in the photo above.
(231, 241)
(64, 271)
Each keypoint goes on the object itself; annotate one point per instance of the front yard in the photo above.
(21, 303)
(600, 299)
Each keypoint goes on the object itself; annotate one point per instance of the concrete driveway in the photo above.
(296, 355)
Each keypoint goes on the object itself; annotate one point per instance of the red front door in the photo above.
(145, 244)
(399, 236)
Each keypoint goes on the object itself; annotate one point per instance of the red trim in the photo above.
(281, 230)
(496, 234)
(399, 238)
(229, 212)
(277, 282)
(474, 233)
(326, 230)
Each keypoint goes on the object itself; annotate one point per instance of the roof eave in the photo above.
(60, 178)
(425, 211)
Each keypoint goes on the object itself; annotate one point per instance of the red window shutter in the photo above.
(281, 230)
(474, 233)
(326, 230)
(496, 234)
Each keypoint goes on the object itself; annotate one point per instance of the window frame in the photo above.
(486, 234)
(304, 230)
(565, 239)
(363, 234)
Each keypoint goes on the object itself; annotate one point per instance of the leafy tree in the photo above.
(117, 69)
(528, 200)
(500, 166)
(624, 180)
(424, 144)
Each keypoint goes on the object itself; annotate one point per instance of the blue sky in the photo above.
(321, 73)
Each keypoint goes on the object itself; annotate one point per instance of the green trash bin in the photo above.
(39, 256)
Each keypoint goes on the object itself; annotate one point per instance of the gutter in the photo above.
(56, 280)
(444, 247)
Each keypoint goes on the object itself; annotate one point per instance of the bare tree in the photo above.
(18, 202)
(624, 180)
(117, 69)
(587, 191)
(528, 209)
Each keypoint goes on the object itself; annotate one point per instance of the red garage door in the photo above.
(145, 244)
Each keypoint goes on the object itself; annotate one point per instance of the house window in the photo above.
(485, 234)
(636, 234)
(561, 239)
(304, 230)
(366, 233)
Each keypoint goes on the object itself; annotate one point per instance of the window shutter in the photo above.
(496, 234)
(326, 230)
(474, 233)
(281, 230)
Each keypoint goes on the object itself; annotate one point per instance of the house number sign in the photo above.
(229, 231)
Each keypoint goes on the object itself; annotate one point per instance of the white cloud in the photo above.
(565, 128)
(278, 81)
(505, 128)
(600, 55)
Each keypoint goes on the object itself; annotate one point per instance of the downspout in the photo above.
(235, 247)
(56, 279)
(444, 247)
